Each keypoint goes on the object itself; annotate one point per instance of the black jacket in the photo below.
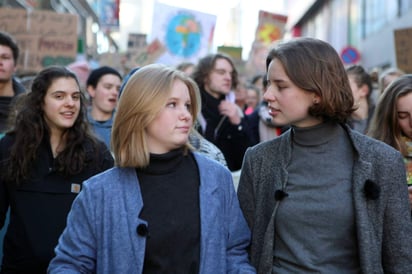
(39, 206)
(232, 140)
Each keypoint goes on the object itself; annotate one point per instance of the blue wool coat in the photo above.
(103, 227)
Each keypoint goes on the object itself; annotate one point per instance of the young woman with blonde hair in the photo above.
(172, 210)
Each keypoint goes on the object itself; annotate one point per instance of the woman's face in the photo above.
(404, 109)
(170, 129)
(287, 103)
(61, 104)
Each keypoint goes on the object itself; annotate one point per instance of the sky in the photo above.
(220, 8)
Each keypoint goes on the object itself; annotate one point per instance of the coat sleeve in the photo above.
(238, 237)
(246, 191)
(397, 227)
(76, 249)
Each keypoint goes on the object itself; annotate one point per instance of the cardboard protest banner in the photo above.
(147, 55)
(44, 37)
(270, 29)
(234, 52)
(403, 49)
(136, 41)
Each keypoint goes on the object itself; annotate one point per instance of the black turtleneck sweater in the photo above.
(170, 191)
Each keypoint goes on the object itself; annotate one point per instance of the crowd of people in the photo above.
(196, 169)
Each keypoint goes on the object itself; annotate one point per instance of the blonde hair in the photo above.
(143, 96)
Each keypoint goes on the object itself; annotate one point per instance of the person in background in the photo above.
(387, 76)
(82, 70)
(186, 67)
(322, 198)
(10, 88)
(103, 85)
(257, 81)
(241, 95)
(222, 121)
(392, 121)
(252, 98)
(361, 86)
(172, 210)
(43, 161)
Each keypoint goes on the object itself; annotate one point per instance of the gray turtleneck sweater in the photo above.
(315, 223)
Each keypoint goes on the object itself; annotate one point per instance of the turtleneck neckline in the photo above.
(164, 163)
(315, 135)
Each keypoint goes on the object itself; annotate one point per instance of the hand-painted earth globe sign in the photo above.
(183, 36)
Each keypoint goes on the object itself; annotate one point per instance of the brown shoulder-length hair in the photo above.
(143, 96)
(384, 125)
(314, 65)
(205, 66)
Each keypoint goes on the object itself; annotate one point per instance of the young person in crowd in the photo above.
(221, 120)
(172, 210)
(197, 140)
(10, 88)
(252, 99)
(392, 121)
(103, 85)
(322, 198)
(361, 86)
(387, 76)
(43, 161)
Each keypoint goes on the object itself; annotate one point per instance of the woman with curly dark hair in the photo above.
(43, 160)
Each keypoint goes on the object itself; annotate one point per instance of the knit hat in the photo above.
(98, 73)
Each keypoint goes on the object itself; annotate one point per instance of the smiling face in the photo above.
(287, 103)
(404, 114)
(62, 104)
(170, 129)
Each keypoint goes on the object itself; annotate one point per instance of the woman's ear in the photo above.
(316, 99)
(91, 91)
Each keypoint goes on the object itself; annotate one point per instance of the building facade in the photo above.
(366, 25)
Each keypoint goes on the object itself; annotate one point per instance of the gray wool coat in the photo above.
(382, 211)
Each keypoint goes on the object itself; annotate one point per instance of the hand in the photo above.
(232, 111)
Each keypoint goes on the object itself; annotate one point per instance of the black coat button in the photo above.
(142, 230)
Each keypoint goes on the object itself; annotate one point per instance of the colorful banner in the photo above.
(186, 34)
(108, 13)
(271, 28)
